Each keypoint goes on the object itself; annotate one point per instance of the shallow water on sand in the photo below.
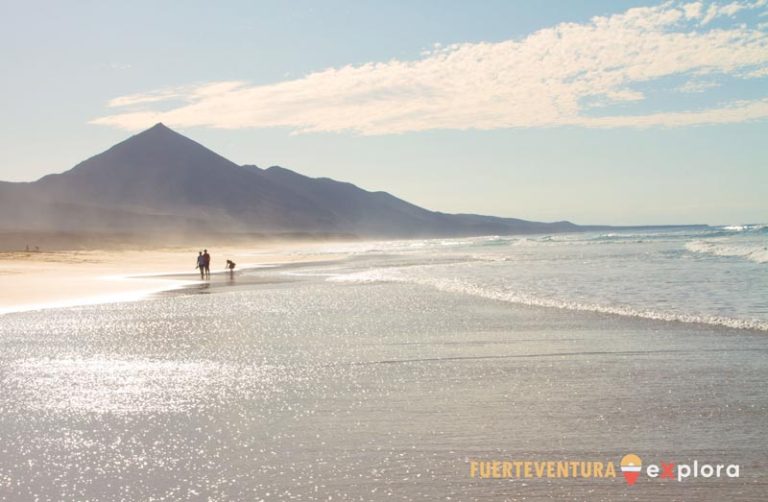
(282, 385)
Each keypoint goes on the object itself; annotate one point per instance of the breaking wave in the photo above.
(458, 286)
(753, 252)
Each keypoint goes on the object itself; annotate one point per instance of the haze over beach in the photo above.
(384, 250)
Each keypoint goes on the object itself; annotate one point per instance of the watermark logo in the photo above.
(631, 465)
(681, 472)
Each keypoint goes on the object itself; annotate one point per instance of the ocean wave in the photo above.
(409, 245)
(760, 228)
(536, 240)
(753, 252)
(369, 276)
(568, 238)
(457, 286)
(611, 238)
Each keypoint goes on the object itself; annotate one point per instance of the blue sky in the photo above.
(597, 112)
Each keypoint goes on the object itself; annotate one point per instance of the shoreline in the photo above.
(62, 279)
(59, 279)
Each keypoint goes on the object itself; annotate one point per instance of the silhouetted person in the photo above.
(231, 267)
(207, 262)
(201, 264)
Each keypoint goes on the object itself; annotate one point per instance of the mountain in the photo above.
(379, 213)
(165, 175)
(160, 181)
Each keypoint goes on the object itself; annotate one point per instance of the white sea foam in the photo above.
(622, 310)
(745, 228)
(464, 287)
(369, 276)
(750, 251)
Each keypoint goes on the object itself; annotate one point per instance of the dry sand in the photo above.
(34, 280)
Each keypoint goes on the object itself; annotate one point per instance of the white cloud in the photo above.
(762, 72)
(697, 86)
(189, 93)
(739, 111)
(119, 66)
(692, 10)
(552, 77)
(148, 97)
(710, 15)
(731, 9)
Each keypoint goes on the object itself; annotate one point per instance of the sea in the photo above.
(391, 372)
(705, 275)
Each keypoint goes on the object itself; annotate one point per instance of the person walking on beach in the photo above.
(201, 264)
(207, 263)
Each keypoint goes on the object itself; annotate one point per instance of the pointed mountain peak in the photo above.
(157, 130)
(158, 149)
(160, 127)
(159, 137)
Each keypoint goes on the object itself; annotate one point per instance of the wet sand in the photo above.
(307, 389)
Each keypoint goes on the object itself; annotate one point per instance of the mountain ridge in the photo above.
(161, 181)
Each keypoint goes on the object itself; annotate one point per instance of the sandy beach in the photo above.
(47, 279)
(386, 375)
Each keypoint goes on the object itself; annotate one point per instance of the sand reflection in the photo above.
(110, 385)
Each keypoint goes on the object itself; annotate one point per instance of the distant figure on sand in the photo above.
(230, 265)
(201, 264)
(207, 262)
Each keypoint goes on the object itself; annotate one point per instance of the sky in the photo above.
(597, 112)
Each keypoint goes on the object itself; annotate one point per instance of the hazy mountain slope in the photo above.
(159, 180)
(354, 209)
(162, 172)
(367, 212)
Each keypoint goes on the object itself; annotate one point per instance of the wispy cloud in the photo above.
(187, 93)
(119, 66)
(697, 86)
(553, 77)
